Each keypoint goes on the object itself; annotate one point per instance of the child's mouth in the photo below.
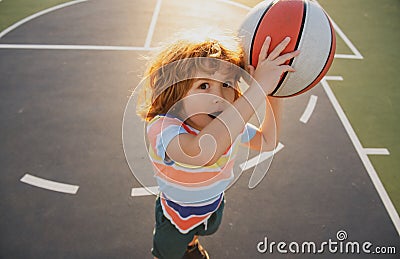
(214, 114)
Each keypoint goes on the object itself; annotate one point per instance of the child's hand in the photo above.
(270, 67)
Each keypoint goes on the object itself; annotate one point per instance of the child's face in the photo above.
(207, 98)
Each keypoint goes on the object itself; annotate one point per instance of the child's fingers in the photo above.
(282, 59)
(251, 69)
(278, 49)
(264, 49)
(287, 68)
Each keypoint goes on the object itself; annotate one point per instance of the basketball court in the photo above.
(68, 192)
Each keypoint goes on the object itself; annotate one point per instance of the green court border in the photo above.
(369, 93)
(12, 11)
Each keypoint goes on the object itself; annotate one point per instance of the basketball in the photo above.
(310, 30)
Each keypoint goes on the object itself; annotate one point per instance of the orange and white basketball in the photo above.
(310, 30)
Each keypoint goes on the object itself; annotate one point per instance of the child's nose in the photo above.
(217, 99)
(218, 95)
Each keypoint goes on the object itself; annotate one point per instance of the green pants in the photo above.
(169, 243)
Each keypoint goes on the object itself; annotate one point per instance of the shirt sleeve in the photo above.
(160, 132)
(249, 132)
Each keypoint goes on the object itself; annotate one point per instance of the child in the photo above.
(196, 117)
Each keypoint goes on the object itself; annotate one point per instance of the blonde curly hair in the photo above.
(165, 83)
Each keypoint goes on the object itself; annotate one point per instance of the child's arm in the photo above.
(213, 140)
(272, 136)
(267, 137)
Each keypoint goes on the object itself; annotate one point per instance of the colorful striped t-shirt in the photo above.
(189, 194)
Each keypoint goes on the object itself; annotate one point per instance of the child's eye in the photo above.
(204, 86)
(227, 84)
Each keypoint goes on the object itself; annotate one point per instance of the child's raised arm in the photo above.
(215, 138)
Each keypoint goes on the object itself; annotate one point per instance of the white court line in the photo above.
(72, 47)
(49, 185)
(357, 54)
(376, 151)
(364, 158)
(367, 151)
(347, 56)
(335, 78)
(260, 158)
(149, 37)
(235, 4)
(309, 109)
(33, 16)
(153, 24)
(144, 191)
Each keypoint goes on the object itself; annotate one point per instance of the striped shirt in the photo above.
(189, 194)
